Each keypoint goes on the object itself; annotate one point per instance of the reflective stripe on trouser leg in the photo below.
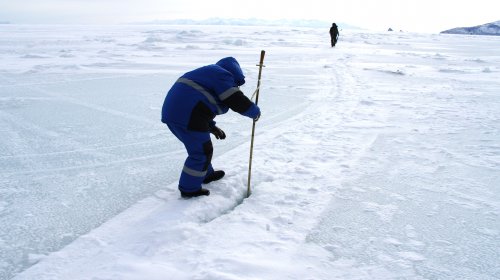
(198, 163)
(196, 166)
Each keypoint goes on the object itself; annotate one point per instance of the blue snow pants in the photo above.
(198, 163)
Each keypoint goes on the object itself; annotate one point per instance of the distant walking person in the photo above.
(189, 111)
(334, 34)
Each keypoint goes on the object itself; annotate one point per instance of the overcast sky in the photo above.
(408, 15)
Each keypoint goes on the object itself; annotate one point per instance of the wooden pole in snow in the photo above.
(261, 64)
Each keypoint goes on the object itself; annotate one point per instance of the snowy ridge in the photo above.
(492, 28)
(253, 22)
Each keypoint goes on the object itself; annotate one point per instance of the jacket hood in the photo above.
(232, 66)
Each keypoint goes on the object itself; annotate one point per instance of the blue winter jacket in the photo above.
(199, 95)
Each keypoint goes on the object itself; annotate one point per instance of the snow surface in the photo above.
(377, 159)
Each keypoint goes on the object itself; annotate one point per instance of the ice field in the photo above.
(376, 159)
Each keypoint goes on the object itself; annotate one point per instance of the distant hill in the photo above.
(492, 28)
(252, 22)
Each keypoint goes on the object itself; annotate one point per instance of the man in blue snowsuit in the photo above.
(189, 110)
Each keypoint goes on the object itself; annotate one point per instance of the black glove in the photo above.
(219, 133)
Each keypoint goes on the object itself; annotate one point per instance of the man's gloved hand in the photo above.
(257, 118)
(219, 133)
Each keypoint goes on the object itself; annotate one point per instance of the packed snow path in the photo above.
(422, 200)
(374, 160)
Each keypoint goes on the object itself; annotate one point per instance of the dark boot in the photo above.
(214, 176)
(199, 192)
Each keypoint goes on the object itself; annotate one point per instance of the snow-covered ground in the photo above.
(377, 159)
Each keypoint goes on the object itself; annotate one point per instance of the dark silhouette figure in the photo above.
(334, 34)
